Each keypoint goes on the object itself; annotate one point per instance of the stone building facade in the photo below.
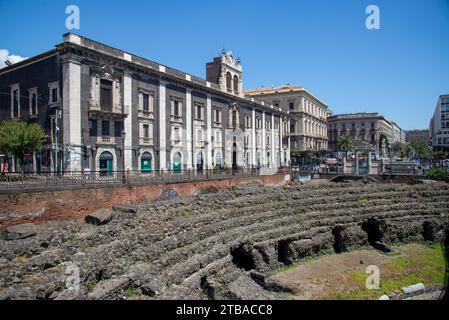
(308, 123)
(417, 135)
(370, 131)
(120, 111)
(439, 124)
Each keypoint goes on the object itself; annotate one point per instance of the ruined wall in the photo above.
(68, 204)
(215, 245)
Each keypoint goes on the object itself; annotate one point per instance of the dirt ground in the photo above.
(342, 276)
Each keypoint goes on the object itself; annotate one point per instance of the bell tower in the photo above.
(226, 71)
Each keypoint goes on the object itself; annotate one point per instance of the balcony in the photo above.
(146, 141)
(145, 114)
(175, 119)
(106, 140)
(118, 112)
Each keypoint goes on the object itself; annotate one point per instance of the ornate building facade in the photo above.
(370, 131)
(308, 124)
(120, 111)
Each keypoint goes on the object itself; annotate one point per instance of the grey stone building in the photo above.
(439, 124)
(308, 123)
(120, 111)
(370, 131)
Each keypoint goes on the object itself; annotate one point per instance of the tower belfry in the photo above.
(226, 71)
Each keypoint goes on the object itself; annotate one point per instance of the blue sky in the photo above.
(399, 70)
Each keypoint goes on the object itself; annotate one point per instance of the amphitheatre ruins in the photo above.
(218, 243)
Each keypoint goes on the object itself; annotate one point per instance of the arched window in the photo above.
(228, 81)
(236, 84)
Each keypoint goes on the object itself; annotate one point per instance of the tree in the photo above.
(399, 149)
(346, 143)
(420, 150)
(20, 138)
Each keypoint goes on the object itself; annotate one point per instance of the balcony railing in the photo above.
(146, 114)
(105, 140)
(146, 141)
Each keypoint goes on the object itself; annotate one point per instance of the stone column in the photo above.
(357, 162)
(128, 125)
(71, 113)
(369, 162)
(264, 141)
(162, 126)
(281, 149)
(273, 143)
(189, 132)
(288, 141)
(209, 132)
(253, 139)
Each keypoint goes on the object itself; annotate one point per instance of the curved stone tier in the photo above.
(213, 245)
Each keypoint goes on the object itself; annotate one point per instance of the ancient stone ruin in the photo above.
(216, 245)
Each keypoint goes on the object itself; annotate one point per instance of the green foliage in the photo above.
(346, 143)
(20, 137)
(129, 291)
(399, 149)
(420, 149)
(439, 174)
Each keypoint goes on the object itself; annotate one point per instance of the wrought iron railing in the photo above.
(24, 181)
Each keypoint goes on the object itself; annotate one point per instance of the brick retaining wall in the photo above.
(74, 204)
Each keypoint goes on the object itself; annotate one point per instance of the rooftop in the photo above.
(286, 88)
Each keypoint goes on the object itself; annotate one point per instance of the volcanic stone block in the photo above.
(20, 231)
(126, 209)
(99, 217)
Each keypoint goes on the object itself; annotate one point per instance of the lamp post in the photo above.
(123, 156)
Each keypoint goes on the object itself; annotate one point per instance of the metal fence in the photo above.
(33, 181)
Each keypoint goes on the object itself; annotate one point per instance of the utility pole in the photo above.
(58, 116)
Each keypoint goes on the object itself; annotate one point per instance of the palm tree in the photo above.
(346, 143)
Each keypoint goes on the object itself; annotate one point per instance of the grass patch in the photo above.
(428, 268)
(129, 291)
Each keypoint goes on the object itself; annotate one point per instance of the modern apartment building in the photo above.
(308, 125)
(439, 124)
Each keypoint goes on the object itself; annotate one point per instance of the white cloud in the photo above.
(4, 55)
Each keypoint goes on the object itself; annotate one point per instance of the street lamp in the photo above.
(123, 148)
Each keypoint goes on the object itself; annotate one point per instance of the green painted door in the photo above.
(146, 165)
(145, 162)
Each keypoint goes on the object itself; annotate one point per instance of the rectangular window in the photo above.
(105, 128)
(199, 112)
(292, 127)
(93, 127)
(176, 112)
(54, 95)
(291, 105)
(217, 116)
(247, 122)
(15, 103)
(145, 102)
(118, 128)
(258, 123)
(33, 101)
(146, 131)
(106, 95)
